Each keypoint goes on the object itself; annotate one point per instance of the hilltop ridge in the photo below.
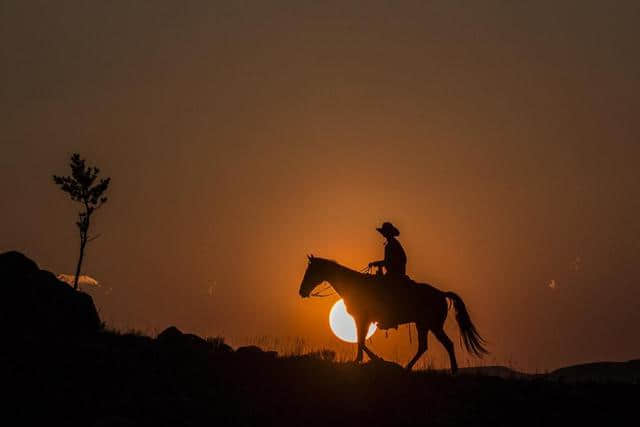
(106, 378)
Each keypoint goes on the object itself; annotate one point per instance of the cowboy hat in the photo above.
(388, 229)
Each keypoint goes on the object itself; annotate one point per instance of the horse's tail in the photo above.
(473, 342)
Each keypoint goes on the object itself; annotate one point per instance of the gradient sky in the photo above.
(502, 138)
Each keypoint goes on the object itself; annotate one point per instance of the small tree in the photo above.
(80, 187)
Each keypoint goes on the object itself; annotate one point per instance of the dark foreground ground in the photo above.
(130, 380)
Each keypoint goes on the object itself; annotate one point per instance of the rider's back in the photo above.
(395, 259)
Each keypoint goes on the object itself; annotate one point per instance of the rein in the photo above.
(319, 293)
(365, 270)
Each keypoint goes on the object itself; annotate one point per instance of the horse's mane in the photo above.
(336, 264)
(328, 261)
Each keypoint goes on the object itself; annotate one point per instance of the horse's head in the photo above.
(314, 275)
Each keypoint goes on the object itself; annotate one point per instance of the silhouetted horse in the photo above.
(370, 298)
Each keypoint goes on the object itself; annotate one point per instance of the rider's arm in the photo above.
(376, 263)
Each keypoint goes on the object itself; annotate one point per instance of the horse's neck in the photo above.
(342, 279)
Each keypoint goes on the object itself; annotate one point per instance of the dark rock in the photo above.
(249, 349)
(195, 340)
(173, 337)
(255, 351)
(218, 345)
(224, 348)
(628, 372)
(171, 334)
(14, 265)
(36, 304)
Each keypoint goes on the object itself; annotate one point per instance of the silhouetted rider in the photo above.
(395, 260)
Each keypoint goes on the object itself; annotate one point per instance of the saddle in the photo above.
(394, 297)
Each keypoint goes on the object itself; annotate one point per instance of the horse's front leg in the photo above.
(361, 333)
(371, 354)
(362, 327)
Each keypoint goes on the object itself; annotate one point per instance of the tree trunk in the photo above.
(83, 242)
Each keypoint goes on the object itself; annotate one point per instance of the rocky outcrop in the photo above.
(252, 351)
(174, 338)
(36, 304)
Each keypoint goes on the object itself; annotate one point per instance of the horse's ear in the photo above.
(309, 257)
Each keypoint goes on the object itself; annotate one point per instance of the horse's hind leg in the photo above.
(422, 345)
(448, 345)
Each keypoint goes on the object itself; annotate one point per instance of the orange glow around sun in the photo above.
(343, 325)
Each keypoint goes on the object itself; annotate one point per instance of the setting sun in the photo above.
(343, 325)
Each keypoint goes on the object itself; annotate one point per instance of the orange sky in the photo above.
(502, 139)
